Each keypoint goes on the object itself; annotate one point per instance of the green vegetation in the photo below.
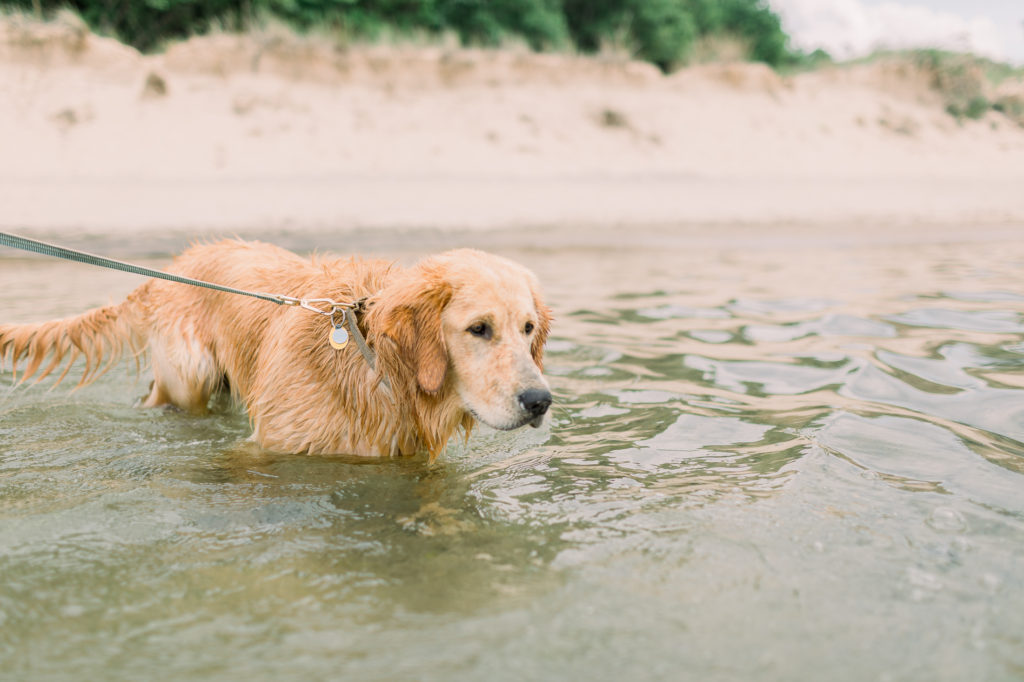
(967, 84)
(1011, 106)
(966, 81)
(663, 32)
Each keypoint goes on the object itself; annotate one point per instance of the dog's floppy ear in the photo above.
(540, 334)
(410, 315)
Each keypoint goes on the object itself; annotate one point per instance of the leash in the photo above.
(321, 306)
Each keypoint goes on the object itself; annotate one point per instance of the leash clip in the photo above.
(331, 307)
(322, 306)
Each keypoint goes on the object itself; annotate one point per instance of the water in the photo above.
(775, 455)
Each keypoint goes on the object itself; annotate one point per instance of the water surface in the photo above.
(775, 455)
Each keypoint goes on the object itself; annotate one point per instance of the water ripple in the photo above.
(760, 463)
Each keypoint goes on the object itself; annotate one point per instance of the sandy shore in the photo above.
(261, 133)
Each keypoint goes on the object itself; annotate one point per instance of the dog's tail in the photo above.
(101, 335)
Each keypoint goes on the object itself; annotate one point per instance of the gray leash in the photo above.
(312, 304)
(26, 244)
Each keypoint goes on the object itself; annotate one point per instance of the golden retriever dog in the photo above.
(458, 337)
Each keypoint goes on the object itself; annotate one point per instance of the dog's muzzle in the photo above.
(535, 401)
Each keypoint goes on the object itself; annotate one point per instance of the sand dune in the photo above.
(268, 131)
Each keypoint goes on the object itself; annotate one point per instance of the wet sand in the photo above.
(462, 201)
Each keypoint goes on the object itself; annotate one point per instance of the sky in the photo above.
(853, 28)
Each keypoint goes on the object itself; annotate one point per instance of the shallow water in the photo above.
(774, 456)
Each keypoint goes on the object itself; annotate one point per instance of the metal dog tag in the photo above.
(339, 338)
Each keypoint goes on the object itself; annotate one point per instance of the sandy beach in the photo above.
(270, 133)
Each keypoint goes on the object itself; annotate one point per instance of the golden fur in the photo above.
(301, 394)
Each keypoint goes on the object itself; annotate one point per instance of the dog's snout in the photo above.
(536, 401)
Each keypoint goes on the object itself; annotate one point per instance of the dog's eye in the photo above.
(528, 329)
(481, 329)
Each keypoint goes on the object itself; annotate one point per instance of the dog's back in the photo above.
(195, 338)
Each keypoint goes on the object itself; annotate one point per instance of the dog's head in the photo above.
(473, 325)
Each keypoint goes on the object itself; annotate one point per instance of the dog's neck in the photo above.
(418, 420)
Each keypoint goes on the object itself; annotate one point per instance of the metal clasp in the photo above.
(313, 305)
(321, 306)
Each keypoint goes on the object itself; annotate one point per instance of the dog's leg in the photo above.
(185, 375)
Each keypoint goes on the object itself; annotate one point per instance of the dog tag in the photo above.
(339, 338)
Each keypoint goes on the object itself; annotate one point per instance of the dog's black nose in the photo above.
(536, 401)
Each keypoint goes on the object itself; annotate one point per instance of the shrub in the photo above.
(591, 22)
(661, 31)
(1011, 106)
(977, 107)
(760, 26)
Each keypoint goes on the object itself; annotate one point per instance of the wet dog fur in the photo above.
(460, 337)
